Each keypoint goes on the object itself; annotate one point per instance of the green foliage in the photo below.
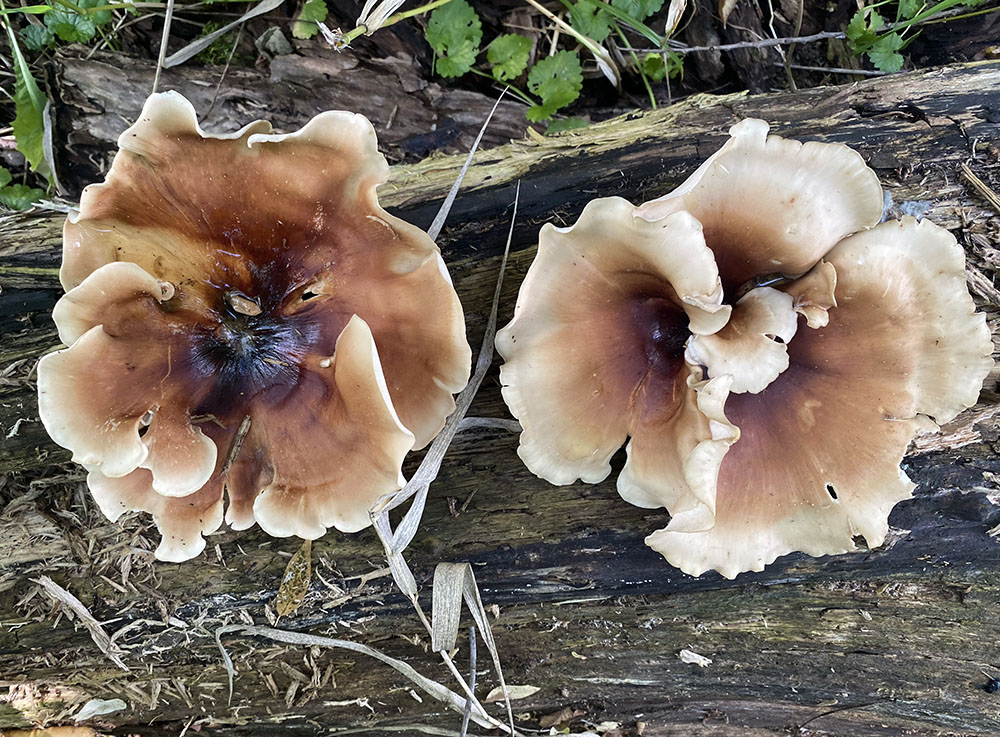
(509, 56)
(17, 196)
(884, 53)
(865, 34)
(218, 52)
(29, 109)
(73, 26)
(70, 26)
(37, 37)
(565, 124)
(658, 68)
(591, 19)
(454, 31)
(557, 80)
(638, 9)
(312, 13)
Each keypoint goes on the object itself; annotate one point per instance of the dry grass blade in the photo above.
(472, 681)
(97, 633)
(430, 687)
(198, 45)
(453, 584)
(442, 214)
(981, 187)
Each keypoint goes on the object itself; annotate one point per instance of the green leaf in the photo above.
(101, 17)
(565, 124)
(36, 38)
(557, 79)
(908, 9)
(70, 27)
(591, 19)
(638, 9)
(509, 56)
(861, 30)
(5, 176)
(20, 196)
(885, 55)
(653, 67)
(29, 107)
(454, 31)
(312, 13)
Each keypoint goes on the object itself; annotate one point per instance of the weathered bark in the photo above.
(897, 640)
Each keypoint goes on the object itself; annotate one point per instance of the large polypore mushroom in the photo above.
(244, 318)
(760, 435)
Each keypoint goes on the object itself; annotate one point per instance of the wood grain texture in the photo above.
(893, 641)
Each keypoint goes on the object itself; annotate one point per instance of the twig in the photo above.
(168, 16)
(835, 70)
(225, 69)
(97, 633)
(981, 187)
(472, 681)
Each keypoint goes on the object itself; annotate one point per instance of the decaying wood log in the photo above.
(896, 640)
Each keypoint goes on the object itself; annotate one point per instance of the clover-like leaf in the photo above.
(556, 79)
(454, 31)
(306, 25)
(591, 19)
(638, 9)
(884, 53)
(509, 56)
(861, 31)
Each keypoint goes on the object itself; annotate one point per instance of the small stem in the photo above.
(517, 92)
(362, 29)
(638, 67)
(396, 17)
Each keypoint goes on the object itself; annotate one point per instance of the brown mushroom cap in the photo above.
(290, 220)
(252, 277)
(595, 351)
(773, 205)
(818, 458)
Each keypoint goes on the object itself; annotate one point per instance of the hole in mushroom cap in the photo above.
(307, 295)
(831, 491)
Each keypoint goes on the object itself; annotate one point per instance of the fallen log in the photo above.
(895, 640)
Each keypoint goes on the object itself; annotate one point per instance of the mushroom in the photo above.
(243, 318)
(794, 439)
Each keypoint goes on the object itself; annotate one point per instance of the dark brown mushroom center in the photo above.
(663, 326)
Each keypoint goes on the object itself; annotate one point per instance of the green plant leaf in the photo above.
(70, 27)
(509, 56)
(884, 53)
(99, 18)
(5, 176)
(313, 12)
(20, 196)
(907, 9)
(654, 67)
(454, 31)
(565, 124)
(36, 37)
(29, 107)
(591, 19)
(861, 30)
(557, 79)
(638, 9)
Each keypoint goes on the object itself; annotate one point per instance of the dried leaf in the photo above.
(725, 8)
(674, 13)
(688, 656)
(513, 692)
(99, 707)
(295, 582)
